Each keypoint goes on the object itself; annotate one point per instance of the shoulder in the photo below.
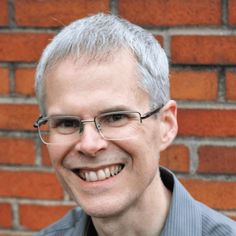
(66, 225)
(192, 216)
(214, 223)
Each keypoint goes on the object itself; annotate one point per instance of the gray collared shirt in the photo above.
(187, 217)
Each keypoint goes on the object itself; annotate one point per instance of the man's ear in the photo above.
(169, 126)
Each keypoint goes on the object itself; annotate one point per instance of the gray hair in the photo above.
(98, 36)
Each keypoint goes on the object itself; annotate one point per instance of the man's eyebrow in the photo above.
(115, 108)
(102, 111)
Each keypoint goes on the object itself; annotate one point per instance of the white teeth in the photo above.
(86, 176)
(112, 170)
(100, 174)
(116, 170)
(92, 176)
(107, 172)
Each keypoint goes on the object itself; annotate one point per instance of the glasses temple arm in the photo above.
(150, 113)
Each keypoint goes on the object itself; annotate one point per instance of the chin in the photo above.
(102, 208)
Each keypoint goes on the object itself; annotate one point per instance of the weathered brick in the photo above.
(18, 116)
(20, 233)
(171, 13)
(217, 160)
(233, 217)
(159, 38)
(176, 158)
(3, 13)
(194, 78)
(45, 215)
(232, 12)
(23, 47)
(194, 85)
(4, 80)
(16, 151)
(204, 122)
(216, 194)
(29, 184)
(5, 215)
(56, 12)
(198, 49)
(24, 81)
(231, 85)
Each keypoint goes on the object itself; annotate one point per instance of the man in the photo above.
(103, 90)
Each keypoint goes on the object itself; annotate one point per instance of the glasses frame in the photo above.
(43, 119)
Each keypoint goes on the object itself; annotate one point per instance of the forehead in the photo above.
(108, 82)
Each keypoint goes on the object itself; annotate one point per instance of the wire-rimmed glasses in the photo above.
(117, 125)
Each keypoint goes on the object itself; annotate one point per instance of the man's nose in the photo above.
(91, 141)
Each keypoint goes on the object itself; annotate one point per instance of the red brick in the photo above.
(45, 215)
(23, 47)
(231, 85)
(3, 13)
(216, 194)
(5, 215)
(20, 233)
(56, 12)
(217, 160)
(4, 79)
(29, 184)
(18, 116)
(171, 13)
(232, 12)
(24, 81)
(233, 217)
(176, 158)
(16, 151)
(45, 156)
(203, 122)
(196, 49)
(194, 85)
(14, 234)
(159, 38)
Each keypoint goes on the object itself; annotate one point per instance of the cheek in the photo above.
(154, 138)
(143, 150)
(56, 154)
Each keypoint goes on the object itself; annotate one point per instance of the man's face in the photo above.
(87, 90)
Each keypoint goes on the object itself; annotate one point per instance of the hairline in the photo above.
(87, 61)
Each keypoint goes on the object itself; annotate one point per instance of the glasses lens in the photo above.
(118, 125)
(60, 130)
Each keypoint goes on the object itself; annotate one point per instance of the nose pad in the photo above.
(98, 126)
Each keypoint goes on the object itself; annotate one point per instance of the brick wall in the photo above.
(199, 37)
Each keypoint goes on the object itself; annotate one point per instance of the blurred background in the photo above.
(199, 37)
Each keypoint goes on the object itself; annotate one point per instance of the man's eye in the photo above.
(65, 125)
(115, 120)
(117, 117)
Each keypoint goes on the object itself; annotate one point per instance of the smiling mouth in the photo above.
(100, 174)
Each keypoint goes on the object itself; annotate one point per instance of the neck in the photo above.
(146, 217)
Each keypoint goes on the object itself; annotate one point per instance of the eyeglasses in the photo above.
(117, 125)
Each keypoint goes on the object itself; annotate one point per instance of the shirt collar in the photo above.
(184, 217)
